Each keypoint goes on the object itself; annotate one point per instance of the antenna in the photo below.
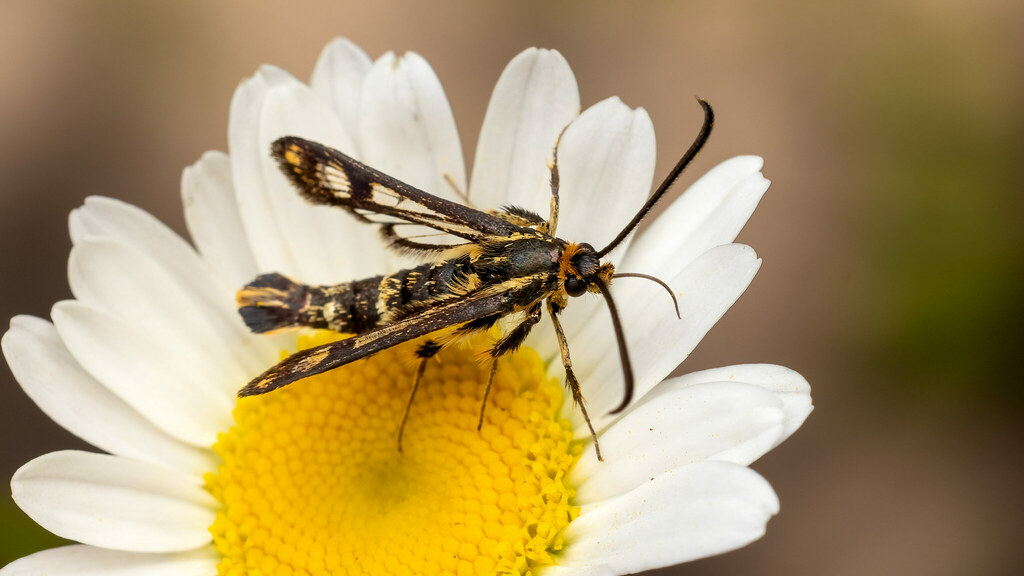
(702, 138)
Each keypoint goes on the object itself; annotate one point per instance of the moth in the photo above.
(496, 264)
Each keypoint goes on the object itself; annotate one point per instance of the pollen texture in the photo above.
(312, 481)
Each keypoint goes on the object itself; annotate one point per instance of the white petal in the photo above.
(323, 239)
(533, 101)
(688, 513)
(255, 204)
(81, 560)
(606, 165)
(676, 425)
(211, 213)
(657, 340)
(117, 278)
(315, 244)
(72, 398)
(710, 213)
(114, 502)
(154, 381)
(407, 128)
(338, 79)
(578, 570)
(111, 218)
(790, 387)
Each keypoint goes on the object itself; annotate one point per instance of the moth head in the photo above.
(581, 270)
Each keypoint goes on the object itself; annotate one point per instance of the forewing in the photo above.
(324, 175)
(326, 357)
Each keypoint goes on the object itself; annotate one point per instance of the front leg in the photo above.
(553, 215)
(570, 379)
(515, 337)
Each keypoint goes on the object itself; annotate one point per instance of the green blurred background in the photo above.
(892, 239)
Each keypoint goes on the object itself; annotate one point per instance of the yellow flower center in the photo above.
(313, 482)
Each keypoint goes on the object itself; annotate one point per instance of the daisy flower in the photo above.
(145, 362)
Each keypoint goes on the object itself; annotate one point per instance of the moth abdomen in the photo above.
(274, 302)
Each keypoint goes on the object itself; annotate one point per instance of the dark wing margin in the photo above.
(324, 175)
(326, 357)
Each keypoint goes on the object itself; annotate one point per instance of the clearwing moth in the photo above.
(495, 264)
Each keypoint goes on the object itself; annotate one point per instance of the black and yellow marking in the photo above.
(503, 262)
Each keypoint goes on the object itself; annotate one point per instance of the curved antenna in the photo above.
(620, 339)
(652, 278)
(702, 138)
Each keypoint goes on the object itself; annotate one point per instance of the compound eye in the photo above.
(575, 286)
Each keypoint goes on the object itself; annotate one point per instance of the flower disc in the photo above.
(313, 481)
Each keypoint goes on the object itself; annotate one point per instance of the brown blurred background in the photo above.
(891, 236)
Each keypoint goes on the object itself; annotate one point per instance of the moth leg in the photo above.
(507, 344)
(487, 392)
(570, 378)
(553, 216)
(389, 235)
(464, 196)
(425, 352)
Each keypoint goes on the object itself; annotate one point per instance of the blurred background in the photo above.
(892, 240)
